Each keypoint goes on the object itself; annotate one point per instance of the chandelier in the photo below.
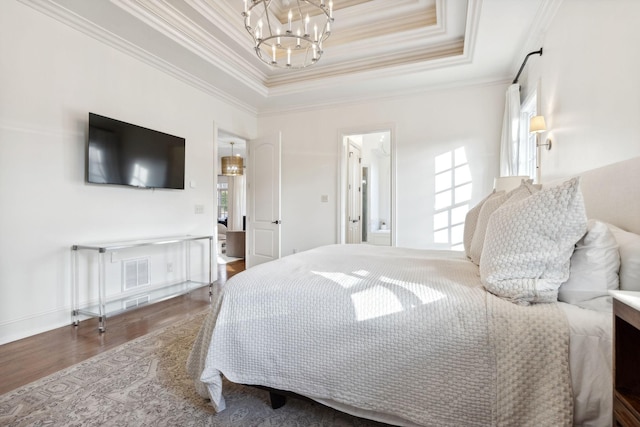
(232, 165)
(288, 39)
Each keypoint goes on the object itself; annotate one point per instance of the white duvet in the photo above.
(400, 335)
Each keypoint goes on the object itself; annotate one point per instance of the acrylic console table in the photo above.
(112, 305)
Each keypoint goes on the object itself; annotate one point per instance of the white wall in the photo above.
(426, 125)
(589, 85)
(51, 76)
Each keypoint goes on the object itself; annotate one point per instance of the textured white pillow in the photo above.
(477, 242)
(629, 248)
(528, 244)
(594, 266)
(470, 223)
(488, 208)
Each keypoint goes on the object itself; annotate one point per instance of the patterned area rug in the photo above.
(144, 383)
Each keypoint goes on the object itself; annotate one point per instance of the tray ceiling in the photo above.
(377, 47)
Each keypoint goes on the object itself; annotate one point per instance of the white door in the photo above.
(354, 194)
(263, 201)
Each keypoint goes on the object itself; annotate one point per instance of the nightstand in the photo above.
(626, 355)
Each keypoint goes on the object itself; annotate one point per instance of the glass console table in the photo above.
(112, 305)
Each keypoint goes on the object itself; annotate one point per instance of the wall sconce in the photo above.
(537, 126)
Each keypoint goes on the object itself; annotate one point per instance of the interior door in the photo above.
(354, 194)
(263, 200)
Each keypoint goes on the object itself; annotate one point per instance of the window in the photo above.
(527, 150)
(223, 200)
(452, 195)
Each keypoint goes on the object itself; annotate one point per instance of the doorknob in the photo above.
(277, 221)
(355, 220)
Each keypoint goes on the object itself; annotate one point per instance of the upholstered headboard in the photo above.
(612, 194)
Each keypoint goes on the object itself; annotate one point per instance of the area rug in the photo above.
(144, 383)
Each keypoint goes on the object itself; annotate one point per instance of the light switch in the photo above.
(324, 198)
(199, 209)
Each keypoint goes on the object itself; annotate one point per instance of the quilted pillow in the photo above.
(496, 200)
(594, 266)
(529, 243)
(470, 223)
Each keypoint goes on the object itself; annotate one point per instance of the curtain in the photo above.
(510, 132)
(236, 202)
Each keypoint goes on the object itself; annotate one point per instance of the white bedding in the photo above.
(462, 374)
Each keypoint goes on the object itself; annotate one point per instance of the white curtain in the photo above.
(236, 200)
(510, 132)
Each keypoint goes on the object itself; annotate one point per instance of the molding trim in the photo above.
(545, 15)
(76, 22)
(365, 99)
(449, 54)
(26, 326)
(165, 18)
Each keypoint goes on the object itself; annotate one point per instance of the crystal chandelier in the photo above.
(288, 39)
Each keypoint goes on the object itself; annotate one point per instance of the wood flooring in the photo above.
(32, 358)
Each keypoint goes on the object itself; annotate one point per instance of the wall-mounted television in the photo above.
(121, 153)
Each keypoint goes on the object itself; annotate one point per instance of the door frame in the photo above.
(216, 171)
(343, 153)
(354, 183)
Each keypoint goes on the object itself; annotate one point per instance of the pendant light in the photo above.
(232, 165)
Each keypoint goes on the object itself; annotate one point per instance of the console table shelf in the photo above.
(128, 300)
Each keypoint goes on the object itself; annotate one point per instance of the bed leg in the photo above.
(277, 400)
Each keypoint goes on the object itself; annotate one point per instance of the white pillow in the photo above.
(629, 248)
(528, 244)
(488, 208)
(594, 266)
(477, 242)
(470, 223)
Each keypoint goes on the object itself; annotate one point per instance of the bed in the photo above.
(423, 337)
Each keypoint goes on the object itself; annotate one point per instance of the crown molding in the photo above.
(474, 9)
(163, 16)
(541, 23)
(73, 20)
(385, 65)
(388, 96)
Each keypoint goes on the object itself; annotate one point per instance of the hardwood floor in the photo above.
(29, 359)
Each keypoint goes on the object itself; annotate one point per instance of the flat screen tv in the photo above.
(121, 153)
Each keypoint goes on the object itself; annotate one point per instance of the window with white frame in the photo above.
(527, 152)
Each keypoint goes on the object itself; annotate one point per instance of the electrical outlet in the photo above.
(114, 257)
(169, 267)
(199, 209)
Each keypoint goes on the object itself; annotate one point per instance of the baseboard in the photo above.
(24, 327)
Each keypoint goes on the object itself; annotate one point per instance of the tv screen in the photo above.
(125, 154)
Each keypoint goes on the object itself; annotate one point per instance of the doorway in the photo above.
(366, 187)
(231, 200)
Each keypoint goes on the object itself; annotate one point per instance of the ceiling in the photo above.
(377, 48)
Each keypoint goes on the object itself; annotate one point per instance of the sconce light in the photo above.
(537, 126)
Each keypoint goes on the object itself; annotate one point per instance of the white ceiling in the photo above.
(378, 48)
